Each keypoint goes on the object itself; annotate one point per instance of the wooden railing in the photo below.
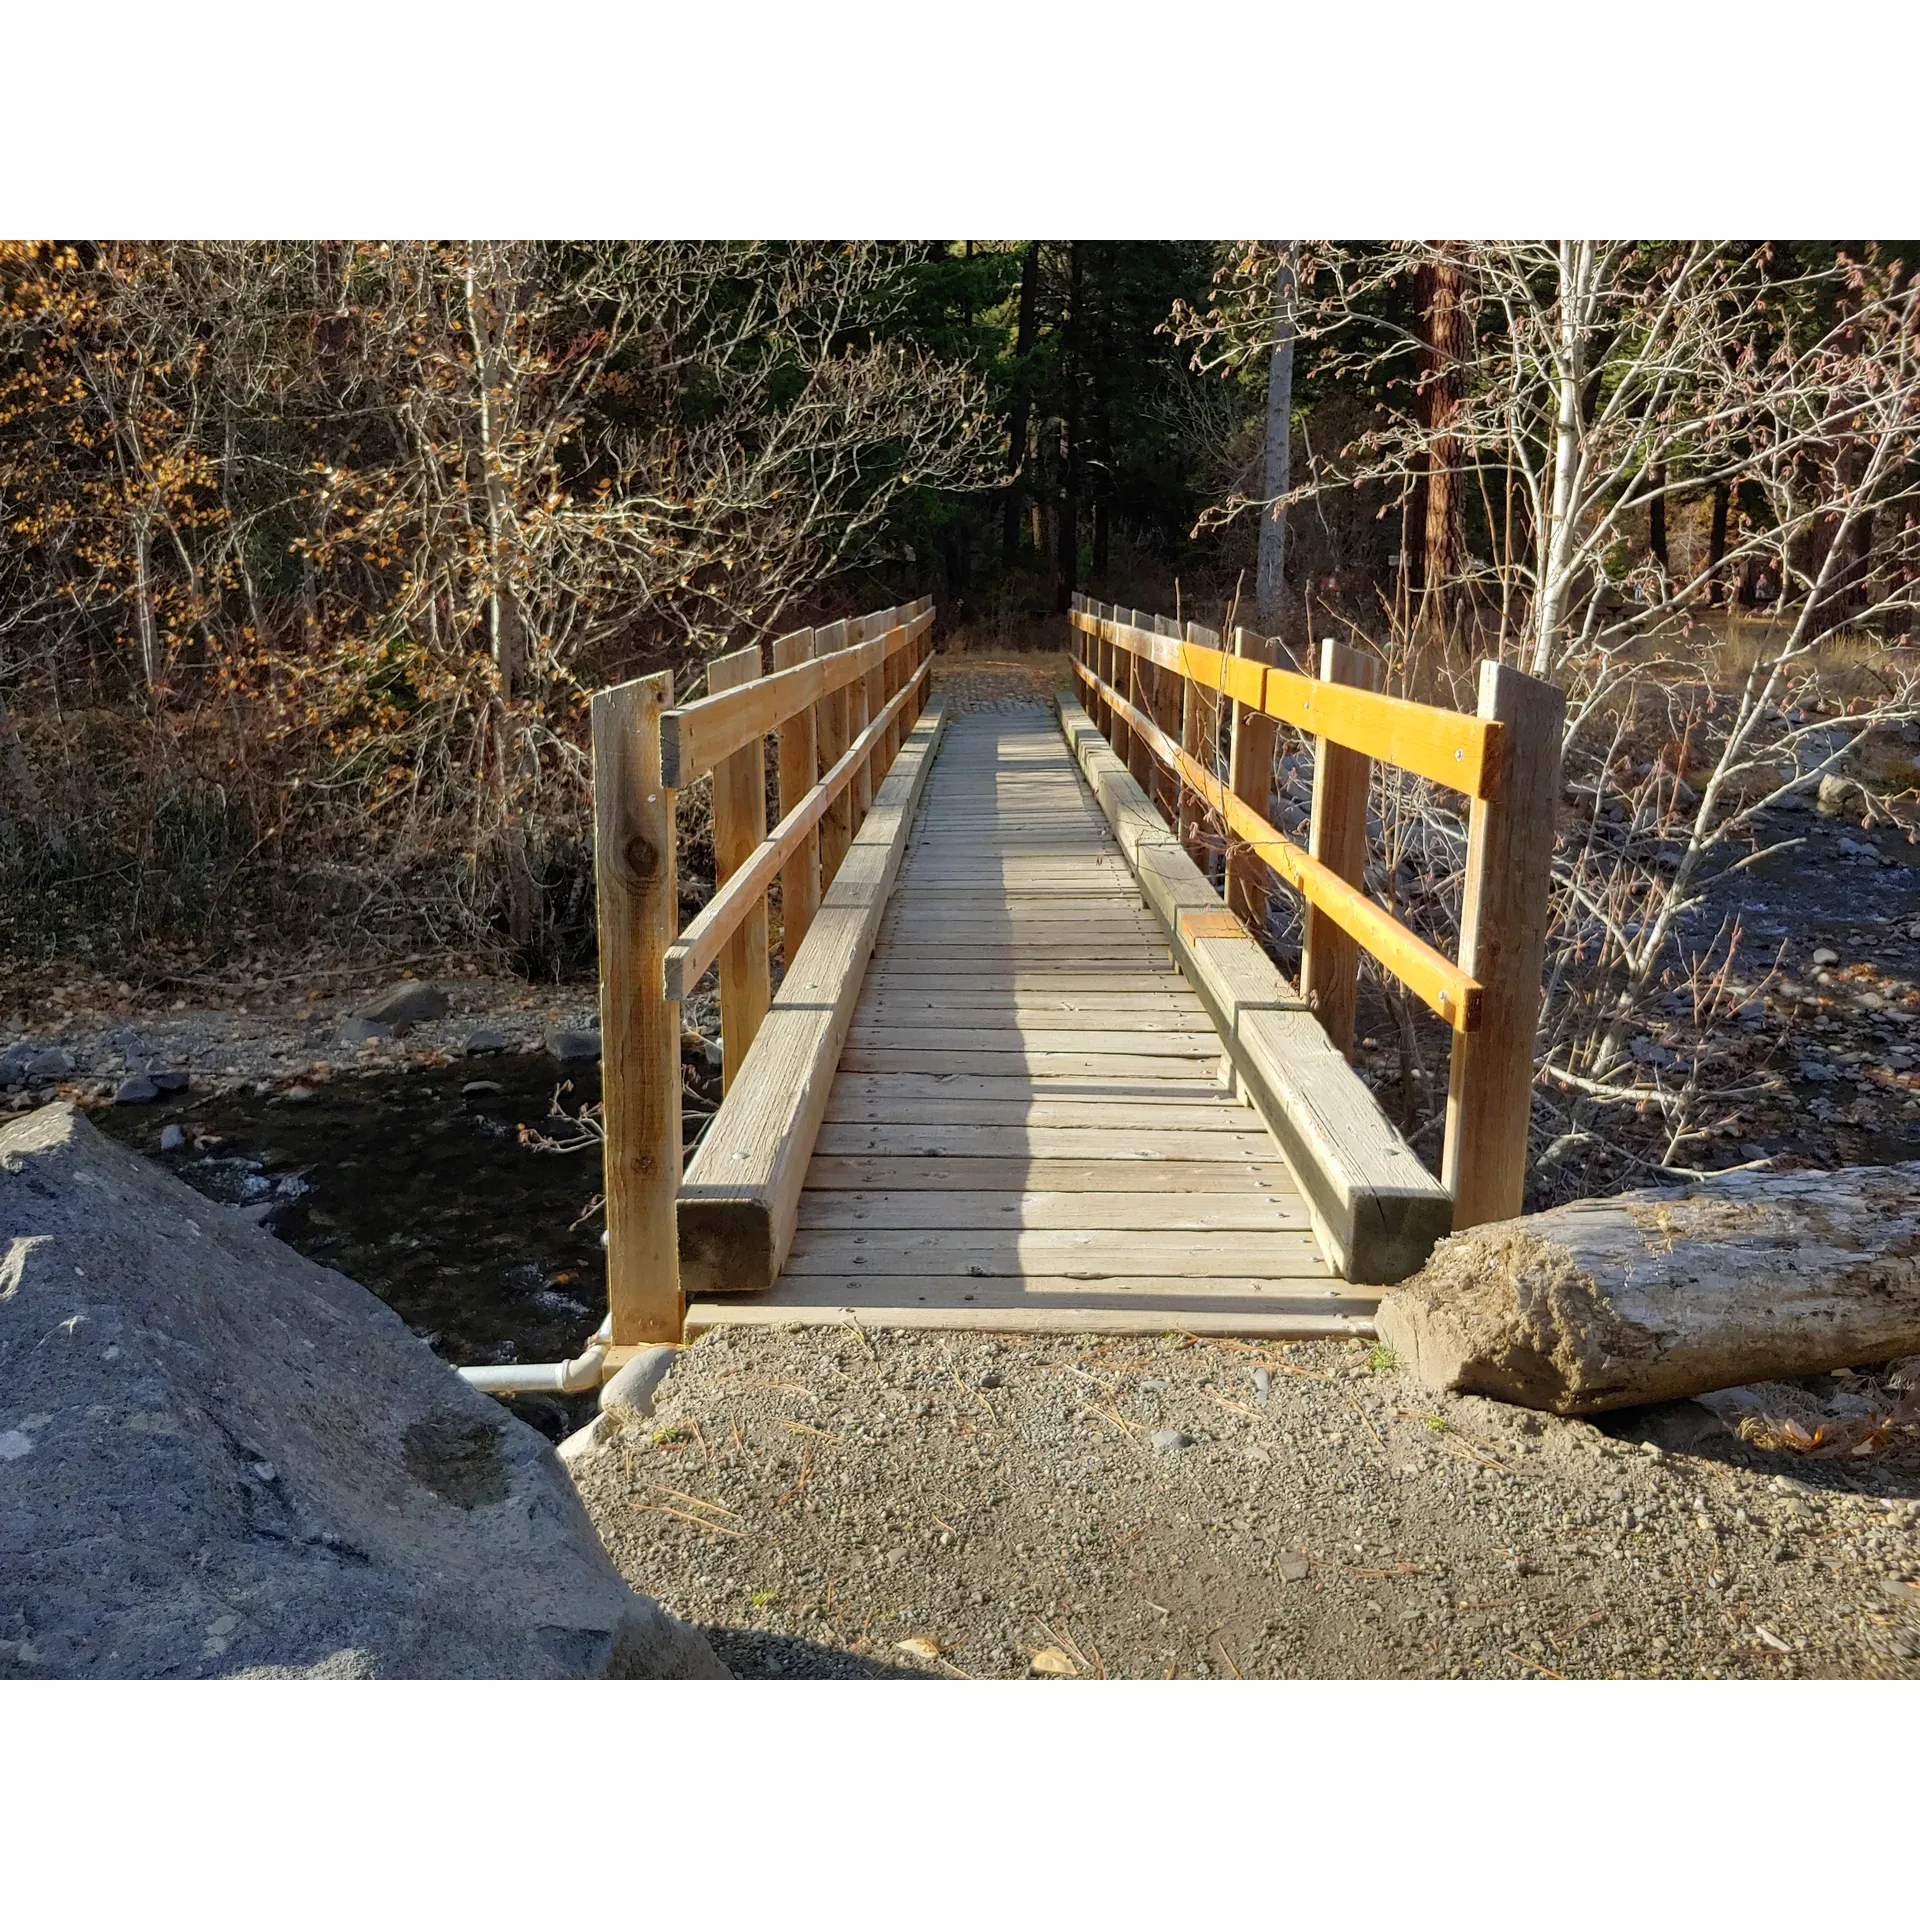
(840, 700)
(1161, 696)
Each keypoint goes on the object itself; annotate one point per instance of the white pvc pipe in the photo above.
(579, 1375)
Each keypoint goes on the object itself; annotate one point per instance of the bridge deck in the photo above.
(1028, 1131)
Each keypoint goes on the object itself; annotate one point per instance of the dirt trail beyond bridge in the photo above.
(832, 1502)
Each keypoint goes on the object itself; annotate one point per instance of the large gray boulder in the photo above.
(217, 1458)
(403, 1006)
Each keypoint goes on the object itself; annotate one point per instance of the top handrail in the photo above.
(1458, 750)
(695, 738)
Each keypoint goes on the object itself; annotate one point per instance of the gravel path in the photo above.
(839, 1503)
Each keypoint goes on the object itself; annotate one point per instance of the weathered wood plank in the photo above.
(798, 751)
(1069, 1253)
(958, 1211)
(639, 1026)
(738, 1202)
(1337, 838)
(987, 1174)
(1503, 940)
(739, 826)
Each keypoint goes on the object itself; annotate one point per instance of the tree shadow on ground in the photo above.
(784, 1656)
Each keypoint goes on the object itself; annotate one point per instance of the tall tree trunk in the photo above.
(1558, 539)
(1717, 546)
(1021, 412)
(1270, 579)
(1067, 570)
(1446, 341)
(1657, 517)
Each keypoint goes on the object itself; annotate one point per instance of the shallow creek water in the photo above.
(420, 1191)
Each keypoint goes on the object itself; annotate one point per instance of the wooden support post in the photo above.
(799, 767)
(639, 1026)
(858, 714)
(836, 830)
(1250, 774)
(1139, 756)
(1329, 956)
(1503, 941)
(739, 825)
(1163, 707)
(1199, 736)
(876, 683)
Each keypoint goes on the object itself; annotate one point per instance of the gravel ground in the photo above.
(838, 1503)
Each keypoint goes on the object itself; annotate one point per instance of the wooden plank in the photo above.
(1067, 1253)
(1041, 1143)
(1034, 1109)
(1250, 775)
(956, 1211)
(884, 1306)
(865, 1172)
(858, 714)
(738, 1201)
(1033, 1042)
(798, 753)
(1377, 1208)
(1503, 936)
(1049, 1066)
(1002, 1081)
(901, 1013)
(639, 1027)
(1330, 956)
(739, 826)
(831, 716)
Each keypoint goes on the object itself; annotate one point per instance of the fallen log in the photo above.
(1657, 1296)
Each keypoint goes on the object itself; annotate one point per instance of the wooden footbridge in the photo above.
(1027, 1068)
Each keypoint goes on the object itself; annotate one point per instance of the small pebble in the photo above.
(1170, 1440)
(172, 1138)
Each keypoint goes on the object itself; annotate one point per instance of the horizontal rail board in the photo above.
(697, 948)
(1457, 750)
(694, 739)
(1452, 994)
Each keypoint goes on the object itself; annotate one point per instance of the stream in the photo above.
(416, 1185)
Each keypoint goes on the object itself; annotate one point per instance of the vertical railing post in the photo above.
(858, 632)
(1329, 957)
(798, 749)
(1140, 760)
(877, 760)
(1250, 774)
(1163, 708)
(1503, 942)
(639, 1027)
(739, 825)
(836, 827)
(1199, 729)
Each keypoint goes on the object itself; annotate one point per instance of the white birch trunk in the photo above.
(1270, 585)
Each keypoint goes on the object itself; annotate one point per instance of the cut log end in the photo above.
(1657, 1296)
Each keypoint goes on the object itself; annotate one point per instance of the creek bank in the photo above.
(217, 1458)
